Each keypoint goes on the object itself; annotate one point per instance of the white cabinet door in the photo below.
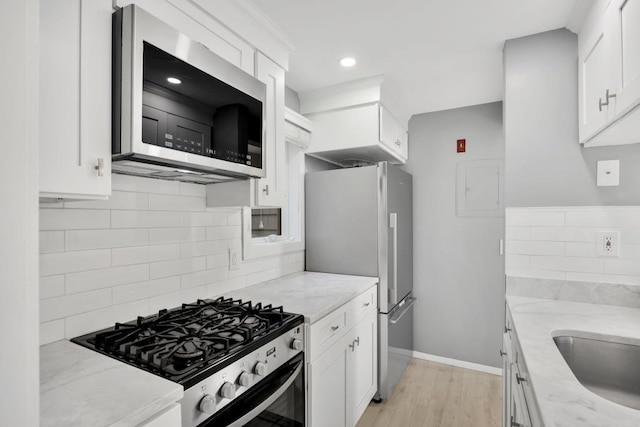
(624, 23)
(271, 189)
(392, 133)
(593, 81)
(75, 98)
(363, 366)
(328, 381)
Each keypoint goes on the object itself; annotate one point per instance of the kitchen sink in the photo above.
(609, 369)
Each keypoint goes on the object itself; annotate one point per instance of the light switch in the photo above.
(608, 174)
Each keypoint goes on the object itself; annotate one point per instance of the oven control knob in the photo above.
(208, 404)
(228, 390)
(244, 379)
(260, 369)
(297, 344)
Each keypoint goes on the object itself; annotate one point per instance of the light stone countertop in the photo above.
(313, 295)
(81, 387)
(562, 400)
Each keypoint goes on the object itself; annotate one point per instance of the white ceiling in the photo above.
(435, 55)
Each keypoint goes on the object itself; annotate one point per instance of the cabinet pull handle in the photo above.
(520, 379)
(502, 353)
(352, 346)
(100, 166)
(335, 328)
(515, 424)
(265, 190)
(357, 341)
(366, 304)
(507, 329)
(606, 102)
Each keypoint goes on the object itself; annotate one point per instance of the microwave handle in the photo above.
(268, 401)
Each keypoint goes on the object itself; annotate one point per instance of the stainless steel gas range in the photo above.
(239, 363)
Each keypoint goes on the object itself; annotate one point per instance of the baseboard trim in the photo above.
(458, 363)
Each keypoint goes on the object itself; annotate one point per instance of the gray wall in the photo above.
(545, 164)
(458, 273)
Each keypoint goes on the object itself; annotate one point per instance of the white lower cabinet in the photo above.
(170, 417)
(519, 405)
(343, 368)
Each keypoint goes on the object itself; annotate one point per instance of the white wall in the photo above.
(19, 361)
(458, 272)
(152, 245)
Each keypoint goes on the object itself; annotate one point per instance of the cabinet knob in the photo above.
(100, 166)
(502, 353)
(366, 304)
(335, 328)
(520, 379)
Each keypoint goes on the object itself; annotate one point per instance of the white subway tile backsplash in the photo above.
(189, 189)
(202, 219)
(73, 219)
(195, 249)
(149, 288)
(51, 286)
(176, 267)
(51, 331)
(218, 260)
(143, 185)
(564, 234)
(611, 217)
(152, 245)
(164, 202)
(68, 262)
(77, 240)
(105, 278)
(99, 319)
(518, 233)
(528, 247)
(145, 254)
(629, 251)
(519, 217)
(144, 219)
(204, 277)
(222, 233)
(68, 305)
(582, 265)
(517, 262)
(625, 267)
(177, 235)
(117, 200)
(581, 249)
(51, 241)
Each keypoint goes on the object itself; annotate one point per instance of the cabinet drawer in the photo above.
(361, 305)
(326, 331)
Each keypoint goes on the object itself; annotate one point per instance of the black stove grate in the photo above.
(181, 342)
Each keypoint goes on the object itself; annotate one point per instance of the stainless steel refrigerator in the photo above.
(359, 221)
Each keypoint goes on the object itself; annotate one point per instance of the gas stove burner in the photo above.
(182, 342)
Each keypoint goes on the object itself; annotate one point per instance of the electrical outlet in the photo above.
(609, 243)
(234, 259)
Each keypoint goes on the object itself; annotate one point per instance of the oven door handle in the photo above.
(268, 401)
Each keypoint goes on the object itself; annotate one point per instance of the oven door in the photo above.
(276, 401)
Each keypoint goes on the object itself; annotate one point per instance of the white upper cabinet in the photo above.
(270, 190)
(75, 99)
(356, 123)
(609, 74)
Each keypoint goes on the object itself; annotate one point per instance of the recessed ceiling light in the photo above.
(348, 62)
(174, 80)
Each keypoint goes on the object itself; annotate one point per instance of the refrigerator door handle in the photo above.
(393, 290)
(403, 307)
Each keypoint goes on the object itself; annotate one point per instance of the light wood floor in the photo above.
(435, 395)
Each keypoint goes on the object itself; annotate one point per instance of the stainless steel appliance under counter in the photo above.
(359, 221)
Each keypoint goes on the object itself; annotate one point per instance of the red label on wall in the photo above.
(462, 145)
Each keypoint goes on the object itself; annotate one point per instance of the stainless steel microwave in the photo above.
(181, 112)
